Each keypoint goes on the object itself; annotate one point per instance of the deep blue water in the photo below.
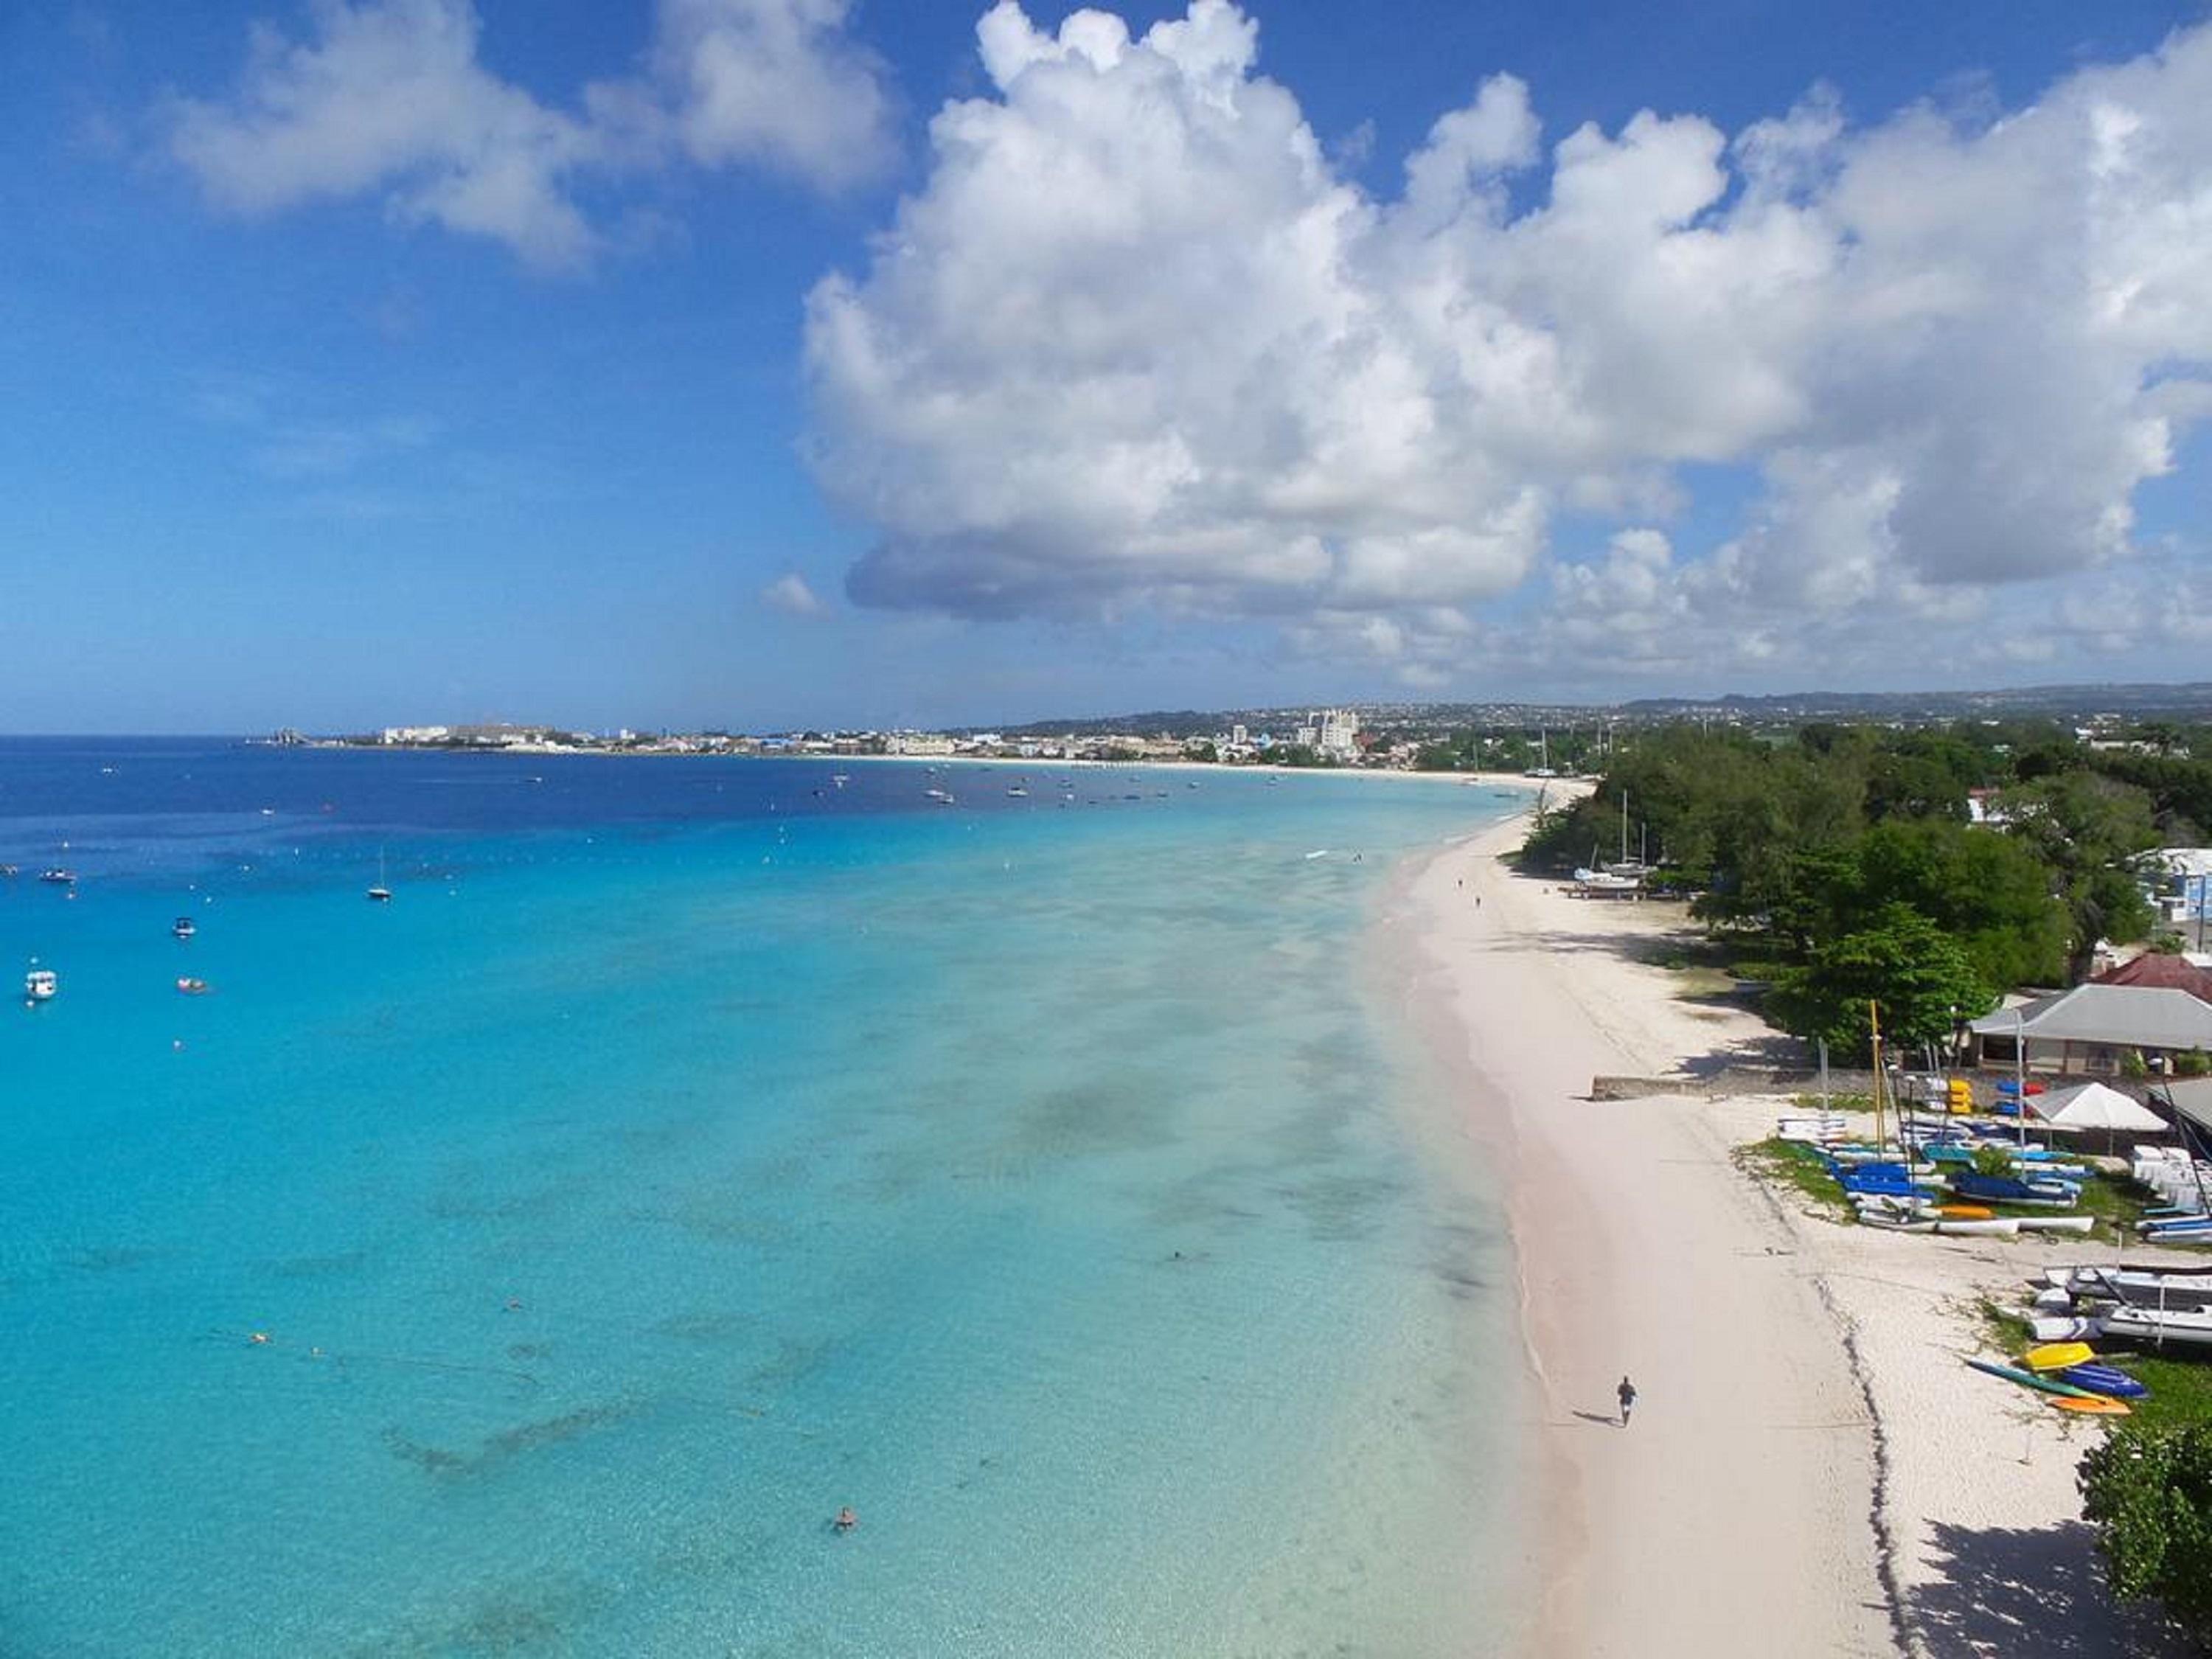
(692, 1146)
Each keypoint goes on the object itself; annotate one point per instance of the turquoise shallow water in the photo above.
(692, 1148)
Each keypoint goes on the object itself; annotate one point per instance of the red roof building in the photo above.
(2163, 973)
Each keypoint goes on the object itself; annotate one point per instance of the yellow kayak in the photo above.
(2096, 1405)
(1965, 1211)
(2057, 1356)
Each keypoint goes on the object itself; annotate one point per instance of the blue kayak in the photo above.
(2103, 1379)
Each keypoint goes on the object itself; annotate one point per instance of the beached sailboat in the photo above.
(2186, 1327)
(2048, 1192)
(2186, 1291)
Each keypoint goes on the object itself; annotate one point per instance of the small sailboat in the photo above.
(39, 985)
(380, 893)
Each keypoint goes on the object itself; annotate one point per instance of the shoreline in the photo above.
(1740, 1499)
(1809, 1457)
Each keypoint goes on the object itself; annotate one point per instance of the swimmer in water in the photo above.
(846, 1520)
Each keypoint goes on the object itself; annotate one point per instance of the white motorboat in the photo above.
(39, 985)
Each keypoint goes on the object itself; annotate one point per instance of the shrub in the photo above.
(2150, 1493)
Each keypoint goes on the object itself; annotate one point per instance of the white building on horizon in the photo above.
(1336, 733)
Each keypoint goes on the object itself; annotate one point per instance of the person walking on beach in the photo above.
(1627, 1393)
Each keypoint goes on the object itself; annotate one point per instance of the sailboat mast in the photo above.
(1873, 1025)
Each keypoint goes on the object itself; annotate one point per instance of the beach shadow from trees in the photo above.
(1770, 1051)
(2007, 1591)
(1767, 1051)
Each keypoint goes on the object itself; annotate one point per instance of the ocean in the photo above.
(536, 1263)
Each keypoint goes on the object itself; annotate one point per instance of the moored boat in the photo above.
(39, 985)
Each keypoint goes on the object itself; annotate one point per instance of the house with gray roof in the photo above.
(2087, 1030)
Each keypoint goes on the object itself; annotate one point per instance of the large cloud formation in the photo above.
(1137, 342)
(391, 97)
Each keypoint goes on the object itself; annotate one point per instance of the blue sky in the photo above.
(759, 362)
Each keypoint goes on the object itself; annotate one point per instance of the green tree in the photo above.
(2150, 1493)
(1923, 775)
(1991, 893)
(2086, 828)
(1913, 970)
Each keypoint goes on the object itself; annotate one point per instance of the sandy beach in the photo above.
(1810, 1468)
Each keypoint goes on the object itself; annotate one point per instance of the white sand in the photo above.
(1811, 1469)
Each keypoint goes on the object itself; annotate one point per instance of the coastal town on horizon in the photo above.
(1539, 739)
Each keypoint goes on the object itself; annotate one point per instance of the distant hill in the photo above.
(2142, 701)
(2191, 701)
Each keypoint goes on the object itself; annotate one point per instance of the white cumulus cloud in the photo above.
(390, 96)
(790, 595)
(1137, 342)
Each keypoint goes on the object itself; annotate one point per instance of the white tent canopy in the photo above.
(2093, 1106)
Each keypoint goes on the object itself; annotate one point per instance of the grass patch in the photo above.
(1793, 1164)
(2118, 1203)
(1703, 984)
(2180, 1389)
(2008, 1331)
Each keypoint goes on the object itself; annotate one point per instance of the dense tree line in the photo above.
(1841, 860)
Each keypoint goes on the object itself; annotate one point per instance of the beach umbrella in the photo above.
(2092, 1106)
